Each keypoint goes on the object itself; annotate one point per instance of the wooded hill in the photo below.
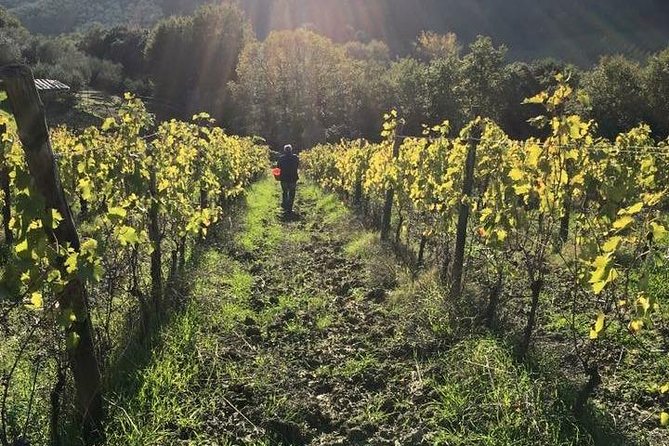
(577, 31)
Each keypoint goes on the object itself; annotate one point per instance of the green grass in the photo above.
(261, 229)
(364, 245)
(485, 398)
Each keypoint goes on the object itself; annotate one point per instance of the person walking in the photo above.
(289, 164)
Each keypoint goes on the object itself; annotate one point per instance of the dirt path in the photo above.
(296, 333)
(313, 364)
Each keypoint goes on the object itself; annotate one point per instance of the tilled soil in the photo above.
(337, 373)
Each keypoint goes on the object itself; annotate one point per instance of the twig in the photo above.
(132, 423)
(258, 429)
(32, 398)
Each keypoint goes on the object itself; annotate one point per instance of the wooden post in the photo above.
(565, 220)
(7, 195)
(398, 231)
(536, 286)
(6, 206)
(390, 193)
(357, 193)
(421, 251)
(155, 237)
(463, 215)
(567, 203)
(28, 112)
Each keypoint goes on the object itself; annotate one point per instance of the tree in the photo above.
(168, 53)
(121, 44)
(192, 59)
(615, 89)
(219, 34)
(374, 51)
(59, 58)
(431, 45)
(656, 86)
(296, 86)
(483, 78)
(14, 38)
(406, 81)
(370, 62)
(522, 84)
(444, 101)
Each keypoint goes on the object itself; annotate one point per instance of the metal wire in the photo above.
(663, 150)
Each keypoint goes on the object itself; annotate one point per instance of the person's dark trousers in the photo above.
(288, 195)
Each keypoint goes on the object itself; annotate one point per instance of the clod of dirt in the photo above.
(243, 256)
(286, 432)
(318, 420)
(357, 435)
(377, 295)
(322, 388)
(256, 304)
(254, 334)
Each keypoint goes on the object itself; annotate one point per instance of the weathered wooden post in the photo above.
(155, 236)
(390, 193)
(463, 215)
(357, 193)
(7, 195)
(28, 112)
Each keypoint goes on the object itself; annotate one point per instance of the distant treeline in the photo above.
(578, 31)
(301, 87)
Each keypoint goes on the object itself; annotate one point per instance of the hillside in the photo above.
(573, 30)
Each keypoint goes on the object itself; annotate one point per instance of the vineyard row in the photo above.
(571, 216)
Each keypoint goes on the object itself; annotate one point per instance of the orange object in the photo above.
(277, 173)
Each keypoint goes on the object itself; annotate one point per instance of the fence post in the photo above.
(463, 214)
(390, 193)
(357, 193)
(7, 199)
(155, 237)
(28, 111)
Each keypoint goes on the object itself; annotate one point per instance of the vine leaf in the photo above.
(36, 301)
(598, 327)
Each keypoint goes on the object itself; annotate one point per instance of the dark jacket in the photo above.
(289, 163)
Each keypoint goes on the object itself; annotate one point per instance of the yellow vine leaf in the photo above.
(516, 174)
(56, 218)
(612, 244)
(664, 419)
(36, 301)
(603, 274)
(659, 231)
(653, 199)
(538, 99)
(598, 327)
(644, 303)
(635, 326)
(623, 223)
(632, 210)
(533, 154)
